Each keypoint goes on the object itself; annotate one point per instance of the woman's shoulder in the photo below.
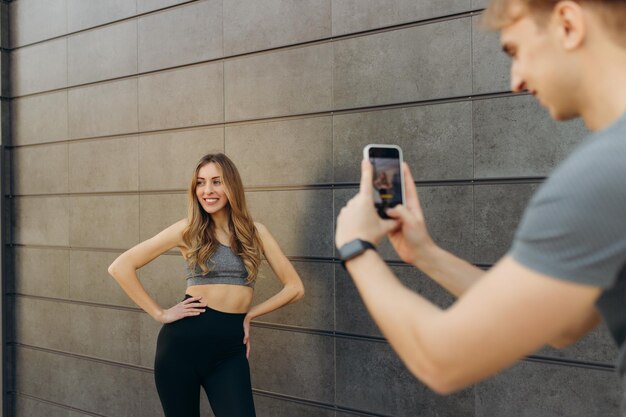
(179, 227)
(177, 230)
(263, 231)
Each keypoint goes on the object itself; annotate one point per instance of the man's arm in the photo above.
(414, 245)
(511, 312)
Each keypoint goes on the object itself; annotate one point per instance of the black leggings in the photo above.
(205, 350)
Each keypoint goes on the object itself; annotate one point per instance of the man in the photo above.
(567, 263)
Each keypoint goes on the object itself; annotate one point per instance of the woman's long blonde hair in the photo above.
(199, 235)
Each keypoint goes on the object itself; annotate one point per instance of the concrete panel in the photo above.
(479, 3)
(184, 35)
(597, 346)
(164, 279)
(436, 140)
(104, 389)
(41, 118)
(5, 66)
(104, 333)
(490, 66)
(104, 165)
(40, 169)
(39, 67)
(274, 407)
(184, 97)
(42, 374)
(514, 136)
(167, 160)
(296, 364)
(36, 20)
(27, 407)
(42, 323)
(82, 14)
(448, 211)
(42, 272)
(351, 314)
(103, 109)
(370, 377)
(4, 25)
(144, 6)
(315, 311)
(148, 333)
(300, 220)
(103, 53)
(351, 16)
(29, 227)
(104, 221)
(90, 281)
(292, 152)
(159, 211)
(498, 210)
(254, 26)
(77, 414)
(150, 403)
(418, 63)
(286, 82)
(533, 389)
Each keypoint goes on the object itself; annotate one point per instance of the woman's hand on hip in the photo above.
(186, 308)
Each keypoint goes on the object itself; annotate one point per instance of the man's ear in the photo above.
(568, 17)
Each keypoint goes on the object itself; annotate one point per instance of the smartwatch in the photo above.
(353, 249)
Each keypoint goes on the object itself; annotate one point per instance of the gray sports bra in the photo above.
(224, 268)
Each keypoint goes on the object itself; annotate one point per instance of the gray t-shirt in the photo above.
(575, 226)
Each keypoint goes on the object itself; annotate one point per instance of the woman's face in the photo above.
(210, 189)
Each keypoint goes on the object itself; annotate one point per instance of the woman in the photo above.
(204, 340)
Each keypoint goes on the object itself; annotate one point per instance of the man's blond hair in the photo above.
(500, 13)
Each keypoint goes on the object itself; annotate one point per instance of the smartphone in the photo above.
(388, 177)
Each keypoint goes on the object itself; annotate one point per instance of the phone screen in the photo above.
(387, 178)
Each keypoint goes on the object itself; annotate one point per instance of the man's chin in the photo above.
(561, 116)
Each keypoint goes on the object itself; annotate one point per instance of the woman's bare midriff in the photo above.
(223, 297)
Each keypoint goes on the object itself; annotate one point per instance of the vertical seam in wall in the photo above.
(138, 136)
(332, 136)
(223, 85)
(69, 196)
(474, 240)
(138, 153)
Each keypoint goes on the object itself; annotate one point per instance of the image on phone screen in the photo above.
(387, 178)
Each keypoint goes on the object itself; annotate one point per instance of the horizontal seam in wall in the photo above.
(317, 404)
(300, 116)
(294, 258)
(263, 393)
(111, 23)
(302, 187)
(53, 403)
(296, 45)
(316, 332)
(82, 357)
(569, 363)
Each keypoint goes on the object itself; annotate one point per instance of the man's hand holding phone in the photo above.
(411, 239)
(358, 219)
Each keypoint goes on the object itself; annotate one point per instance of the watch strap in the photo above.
(363, 245)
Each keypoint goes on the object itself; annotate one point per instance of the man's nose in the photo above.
(517, 82)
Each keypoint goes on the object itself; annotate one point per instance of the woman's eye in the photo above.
(217, 182)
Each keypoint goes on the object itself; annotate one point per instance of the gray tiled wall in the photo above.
(112, 104)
